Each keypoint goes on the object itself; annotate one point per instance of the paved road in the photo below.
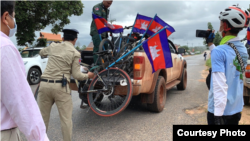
(136, 122)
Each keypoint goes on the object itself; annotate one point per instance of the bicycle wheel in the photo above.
(117, 95)
(108, 45)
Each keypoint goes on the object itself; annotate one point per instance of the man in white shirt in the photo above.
(225, 100)
(19, 110)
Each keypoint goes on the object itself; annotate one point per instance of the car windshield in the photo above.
(29, 53)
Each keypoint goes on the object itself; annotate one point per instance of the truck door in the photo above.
(175, 59)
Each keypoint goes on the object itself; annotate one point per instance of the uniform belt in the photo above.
(52, 81)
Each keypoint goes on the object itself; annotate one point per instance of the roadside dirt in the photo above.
(245, 116)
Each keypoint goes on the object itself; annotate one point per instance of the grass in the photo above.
(208, 62)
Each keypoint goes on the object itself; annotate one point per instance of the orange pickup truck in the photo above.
(151, 86)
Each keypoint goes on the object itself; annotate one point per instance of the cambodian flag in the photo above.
(248, 35)
(141, 23)
(115, 28)
(157, 25)
(158, 52)
(103, 26)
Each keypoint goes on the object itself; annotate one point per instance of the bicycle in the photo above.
(109, 92)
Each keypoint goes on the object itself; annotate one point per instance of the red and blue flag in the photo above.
(141, 23)
(248, 35)
(158, 51)
(157, 25)
(103, 26)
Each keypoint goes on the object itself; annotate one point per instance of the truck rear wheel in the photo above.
(159, 96)
(183, 84)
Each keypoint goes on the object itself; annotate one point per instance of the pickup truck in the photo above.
(152, 87)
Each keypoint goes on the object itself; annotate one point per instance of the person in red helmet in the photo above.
(229, 59)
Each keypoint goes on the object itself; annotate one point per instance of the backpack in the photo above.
(208, 79)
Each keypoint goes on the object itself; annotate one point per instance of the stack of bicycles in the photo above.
(110, 91)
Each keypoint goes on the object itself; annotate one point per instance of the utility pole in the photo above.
(111, 21)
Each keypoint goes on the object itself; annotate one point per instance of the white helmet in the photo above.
(236, 16)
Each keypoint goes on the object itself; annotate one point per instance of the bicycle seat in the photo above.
(105, 52)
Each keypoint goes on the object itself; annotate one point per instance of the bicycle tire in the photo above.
(111, 104)
(104, 62)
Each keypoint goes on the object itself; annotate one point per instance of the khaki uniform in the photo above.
(11, 135)
(63, 59)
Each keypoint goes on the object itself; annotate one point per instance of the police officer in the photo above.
(63, 61)
(101, 10)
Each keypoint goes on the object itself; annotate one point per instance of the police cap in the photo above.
(70, 34)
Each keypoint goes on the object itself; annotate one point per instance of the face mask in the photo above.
(12, 31)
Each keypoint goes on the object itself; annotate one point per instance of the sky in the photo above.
(184, 16)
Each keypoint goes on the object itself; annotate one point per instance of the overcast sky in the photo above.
(184, 16)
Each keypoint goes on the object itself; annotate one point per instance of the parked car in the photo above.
(152, 87)
(246, 77)
(34, 64)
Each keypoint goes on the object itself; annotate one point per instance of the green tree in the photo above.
(77, 48)
(83, 47)
(34, 16)
(217, 39)
(42, 42)
(20, 49)
(185, 47)
(209, 25)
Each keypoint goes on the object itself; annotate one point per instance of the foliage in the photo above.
(84, 47)
(209, 26)
(34, 16)
(42, 42)
(20, 49)
(217, 37)
(208, 62)
(185, 47)
(77, 48)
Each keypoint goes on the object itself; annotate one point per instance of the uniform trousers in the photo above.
(50, 93)
(11, 135)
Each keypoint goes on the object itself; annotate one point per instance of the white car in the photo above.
(246, 77)
(34, 64)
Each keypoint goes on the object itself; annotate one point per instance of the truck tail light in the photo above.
(247, 72)
(138, 67)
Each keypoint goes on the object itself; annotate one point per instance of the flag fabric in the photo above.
(157, 25)
(115, 28)
(103, 26)
(158, 51)
(141, 23)
(248, 35)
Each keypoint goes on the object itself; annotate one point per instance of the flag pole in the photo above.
(147, 28)
(132, 28)
(134, 49)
